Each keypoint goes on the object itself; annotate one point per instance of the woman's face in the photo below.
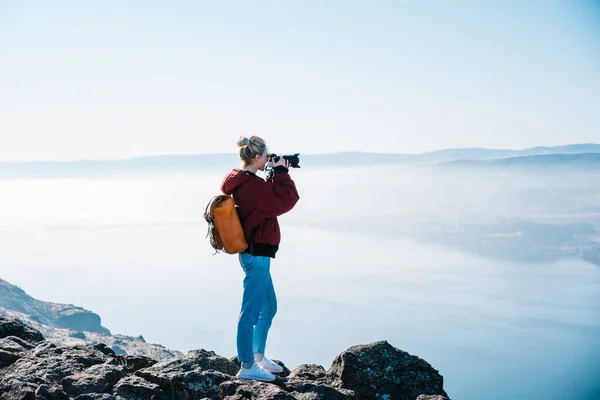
(261, 160)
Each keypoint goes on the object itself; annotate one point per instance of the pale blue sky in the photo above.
(108, 80)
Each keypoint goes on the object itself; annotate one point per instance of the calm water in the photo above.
(135, 253)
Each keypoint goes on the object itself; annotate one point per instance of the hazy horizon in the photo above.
(435, 150)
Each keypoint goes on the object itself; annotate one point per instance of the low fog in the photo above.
(512, 213)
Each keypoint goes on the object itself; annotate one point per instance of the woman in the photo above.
(259, 203)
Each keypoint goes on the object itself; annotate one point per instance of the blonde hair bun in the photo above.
(243, 141)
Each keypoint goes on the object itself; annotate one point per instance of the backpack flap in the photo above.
(224, 227)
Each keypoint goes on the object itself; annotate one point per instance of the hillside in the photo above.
(65, 324)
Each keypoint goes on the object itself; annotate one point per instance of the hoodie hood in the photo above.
(235, 179)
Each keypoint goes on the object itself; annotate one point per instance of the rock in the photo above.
(379, 370)
(19, 392)
(314, 389)
(50, 364)
(7, 358)
(309, 382)
(95, 396)
(11, 349)
(308, 371)
(134, 387)
(196, 374)
(307, 390)
(15, 327)
(50, 393)
(105, 349)
(96, 379)
(134, 363)
(24, 343)
(252, 390)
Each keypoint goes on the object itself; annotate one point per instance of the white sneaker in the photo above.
(269, 365)
(255, 373)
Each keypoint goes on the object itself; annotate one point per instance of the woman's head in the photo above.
(253, 152)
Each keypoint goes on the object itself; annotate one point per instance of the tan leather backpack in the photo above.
(224, 227)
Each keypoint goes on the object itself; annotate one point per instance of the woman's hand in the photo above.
(283, 162)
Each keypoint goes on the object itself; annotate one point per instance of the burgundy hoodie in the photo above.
(259, 204)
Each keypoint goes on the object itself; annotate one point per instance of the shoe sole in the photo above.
(256, 378)
(273, 372)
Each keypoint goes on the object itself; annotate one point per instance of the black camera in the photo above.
(294, 160)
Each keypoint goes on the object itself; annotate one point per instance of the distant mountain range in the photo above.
(584, 160)
(65, 324)
(588, 156)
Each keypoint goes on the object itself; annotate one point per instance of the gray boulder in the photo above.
(253, 390)
(100, 378)
(134, 363)
(95, 396)
(15, 327)
(308, 371)
(195, 375)
(379, 370)
(136, 388)
(45, 392)
(48, 364)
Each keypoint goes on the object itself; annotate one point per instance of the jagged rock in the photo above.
(11, 349)
(379, 370)
(253, 390)
(45, 392)
(24, 343)
(7, 358)
(50, 364)
(134, 387)
(95, 396)
(104, 349)
(294, 386)
(15, 327)
(96, 379)
(194, 375)
(19, 392)
(308, 371)
(315, 390)
(134, 363)
(195, 360)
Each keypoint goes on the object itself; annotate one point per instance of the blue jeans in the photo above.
(259, 305)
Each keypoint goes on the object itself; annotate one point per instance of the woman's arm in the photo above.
(280, 194)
